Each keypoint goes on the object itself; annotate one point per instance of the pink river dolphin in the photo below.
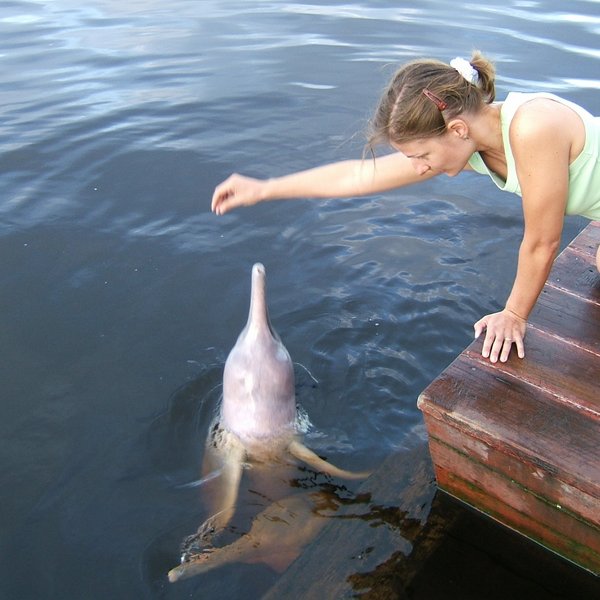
(256, 426)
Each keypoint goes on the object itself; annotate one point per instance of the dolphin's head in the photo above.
(258, 381)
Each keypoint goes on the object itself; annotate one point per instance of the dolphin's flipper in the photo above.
(301, 452)
(224, 498)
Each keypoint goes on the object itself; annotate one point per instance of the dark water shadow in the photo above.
(462, 554)
(414, 542)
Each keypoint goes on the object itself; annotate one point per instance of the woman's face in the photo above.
(447, 153)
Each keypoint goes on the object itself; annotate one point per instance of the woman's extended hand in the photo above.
(502, 330)
(236, 191)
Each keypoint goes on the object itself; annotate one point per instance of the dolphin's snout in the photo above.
(258, 268)
(259, 282)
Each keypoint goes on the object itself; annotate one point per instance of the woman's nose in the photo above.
(420, 167)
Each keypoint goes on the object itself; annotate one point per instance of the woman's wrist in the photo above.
(515, 314)
(266, 192)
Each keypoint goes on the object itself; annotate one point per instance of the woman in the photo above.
(443, 119)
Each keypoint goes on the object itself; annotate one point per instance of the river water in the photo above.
(121, 294)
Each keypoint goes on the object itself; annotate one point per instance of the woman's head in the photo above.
(424, 95)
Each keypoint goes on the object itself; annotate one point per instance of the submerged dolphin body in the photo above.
(257, 423)
(276, 538)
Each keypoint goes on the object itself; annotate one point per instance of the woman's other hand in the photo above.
(502, 330)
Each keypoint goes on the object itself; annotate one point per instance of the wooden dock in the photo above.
(520, 441)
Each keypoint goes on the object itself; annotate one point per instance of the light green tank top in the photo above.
(584, 171)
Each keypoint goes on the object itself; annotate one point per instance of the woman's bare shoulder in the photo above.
(539, 114)
(549, 124)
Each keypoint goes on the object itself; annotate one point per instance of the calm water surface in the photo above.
(121, 294)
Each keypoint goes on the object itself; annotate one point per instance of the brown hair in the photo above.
(405, 113)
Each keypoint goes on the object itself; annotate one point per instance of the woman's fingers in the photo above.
(236, 191)
(222, 193)
(520, 347)
(479, 327)
(506, 346)
(498, 347)
(502, 330)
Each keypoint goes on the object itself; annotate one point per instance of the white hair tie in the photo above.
(466, 69)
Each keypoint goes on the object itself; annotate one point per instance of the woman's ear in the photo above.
(459, 128)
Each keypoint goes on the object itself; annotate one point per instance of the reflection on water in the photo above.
(120, 289)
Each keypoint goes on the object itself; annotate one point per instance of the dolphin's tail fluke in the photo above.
(301, 452)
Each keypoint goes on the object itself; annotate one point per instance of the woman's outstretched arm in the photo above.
(335, 180)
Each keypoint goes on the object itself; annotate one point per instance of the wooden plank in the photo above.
(576, 273)
(526, 474)
(533, 518)
(574, 320)
(542, 516)
(588, 240)
(571, 377)
(504, 411)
